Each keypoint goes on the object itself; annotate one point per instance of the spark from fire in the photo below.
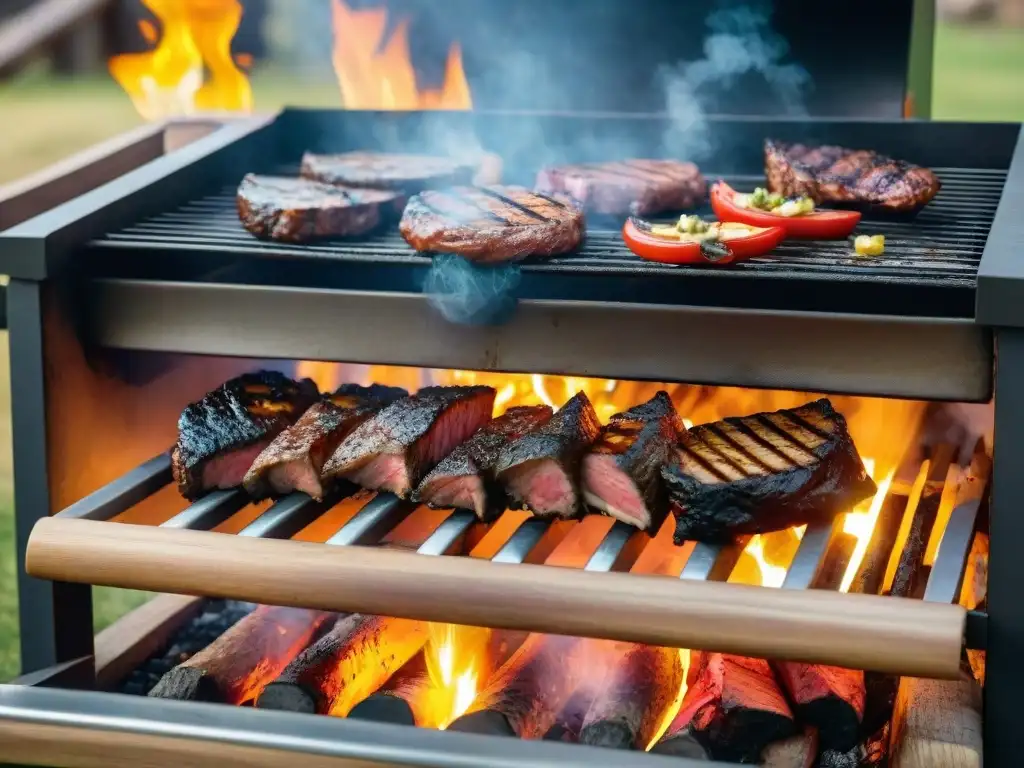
(376, 72)
(455, 660)
(190, 69)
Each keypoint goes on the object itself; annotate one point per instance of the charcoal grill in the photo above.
(145, 292)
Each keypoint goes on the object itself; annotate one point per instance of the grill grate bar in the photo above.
(713, 562)
(209, 511)
(124, 492)
(447, 533)
(522, 542)
(810, 555)
(610, 548)
(370, 523)
(290, 515)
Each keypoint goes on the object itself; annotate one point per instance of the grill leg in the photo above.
(55, 618)
(1004, 673)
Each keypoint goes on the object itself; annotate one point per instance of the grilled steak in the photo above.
(402, 442)
(299, 210)
(832, 174)
(464, 478)
(638, 187)
(221, 435)
(491, 224)
(382, 170)
(622, 472)
(293, 460)
(541, 469)
(764, 473)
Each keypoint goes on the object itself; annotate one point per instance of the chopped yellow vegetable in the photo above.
(869, 245)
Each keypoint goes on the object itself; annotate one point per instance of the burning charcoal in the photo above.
(394, 701)
(622, 472)
(732, 710)
(396, 447)
(293, 460)
(628, 709)
(465, 478)
(829, 698)
(764, 473)
(236, 666)
(221, 435)
(541, 469)
(527, 694)
(345, 666)
(300, 210)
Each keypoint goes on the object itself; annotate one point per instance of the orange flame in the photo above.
(190, 68)
(455, 662)
(377, 73)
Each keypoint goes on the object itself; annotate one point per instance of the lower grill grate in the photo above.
(940, 248)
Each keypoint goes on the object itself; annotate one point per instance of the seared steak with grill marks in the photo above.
(832, 174)
(293, 460)
(383, 170)
(464, 479)
(299, 210)
(402, 442)
(764, 473)
(541, 469)
(638, 187)
(622, 472)
(491, 224)
(219, 436)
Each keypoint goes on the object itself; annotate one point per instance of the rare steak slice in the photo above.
(398, 445)
(622, 472)
(293, 460)
(541, 469)
(465, 479)
(221, 435)
(637, 187)
(384, 170)
(830, 174)
(764, 473)
(492, 224)
(300, 210)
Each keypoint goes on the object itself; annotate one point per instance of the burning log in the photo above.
(235, 667)
(937, 722)
(733, 709)
(638, 690)
(526, 696)
(395, 700)
(346, 665)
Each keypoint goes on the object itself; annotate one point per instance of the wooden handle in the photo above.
(893, 635)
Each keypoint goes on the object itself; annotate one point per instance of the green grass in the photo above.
(979, 75)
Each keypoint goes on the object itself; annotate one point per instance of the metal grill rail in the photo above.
(942, 246)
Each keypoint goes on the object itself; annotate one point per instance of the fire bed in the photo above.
(170, 276)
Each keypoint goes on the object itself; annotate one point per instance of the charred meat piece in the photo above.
(492, 224)
(299, 210)
(221, 435)
(383, 170)
(398, 445)
(541, 469)
(622, 472)
(637, 187)
(764, 473)
(464, 479)
(831, 174)
(293, 460)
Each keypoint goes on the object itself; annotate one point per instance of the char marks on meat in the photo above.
(220, 435)
(300, 210)
(831, 174)
(541, 469)
(622, 472)
(638, 187)
(398, 445)
(293, 460)
(384, 170)
(492, 224)
(764, 472)
(465, 479)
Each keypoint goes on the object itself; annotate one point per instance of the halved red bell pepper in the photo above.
(732, 247)
(818, 225)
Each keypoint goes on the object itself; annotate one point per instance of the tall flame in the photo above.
(190, 68)
(376, 72)
(455, 660)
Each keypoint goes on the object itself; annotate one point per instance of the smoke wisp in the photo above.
(471, 294)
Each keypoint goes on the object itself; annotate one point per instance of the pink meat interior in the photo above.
(609, 489)
(227, 470)
(385, 472)
(460, 492)
(543, 486)
(296, 475)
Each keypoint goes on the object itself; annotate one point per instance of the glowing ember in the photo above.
(456, 657)
(190, 68)
(377, 73)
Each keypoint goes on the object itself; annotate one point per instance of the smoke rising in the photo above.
(471, 294)
(740, 43)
